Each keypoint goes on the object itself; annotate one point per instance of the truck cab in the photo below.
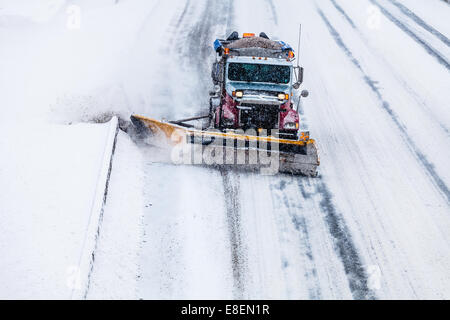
(254, 80)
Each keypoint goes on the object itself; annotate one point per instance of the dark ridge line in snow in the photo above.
(300, 225)
(306, 195)
(344, 14)
(353, 266)
(178, 35)
(230, 18)
(274, 12)
(428, 166)
(421, 22)
(201, 34)
(415, 37)
(199, 44)
(183, 14)
(147, 17)
(233, 209)
(102, 210)
(399, 78)
(199, 48)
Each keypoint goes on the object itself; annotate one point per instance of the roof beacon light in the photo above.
(248, 35)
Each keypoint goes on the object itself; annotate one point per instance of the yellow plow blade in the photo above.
(213, 147)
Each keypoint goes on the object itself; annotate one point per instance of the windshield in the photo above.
(259, 73)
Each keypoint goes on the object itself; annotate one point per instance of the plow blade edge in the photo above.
(232, 148)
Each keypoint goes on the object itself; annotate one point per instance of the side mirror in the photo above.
(215, 73)
(215, 91)
(299, 77)
(304, 93)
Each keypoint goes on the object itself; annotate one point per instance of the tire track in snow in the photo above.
(314, 192)
(274, 11)
(400, 78)
(199, 54)
(199, 48)
(346, 249)
(165, 39)
(233, 211)
(421, 22)
(296, 215)
(354, 268)
(183, 14)
(420, 156)
(176, 37)
(147, 18)
(344, 14)
(433, 52)
(188, 42)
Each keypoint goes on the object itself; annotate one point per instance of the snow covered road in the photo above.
(373, 225)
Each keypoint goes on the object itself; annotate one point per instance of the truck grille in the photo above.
(260, 92)
(259, 116)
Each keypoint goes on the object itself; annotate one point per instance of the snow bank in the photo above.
(48, 178)
(54, 72)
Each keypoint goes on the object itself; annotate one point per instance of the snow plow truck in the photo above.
(252, 116)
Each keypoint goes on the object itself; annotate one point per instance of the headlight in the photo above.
(290, 125)
(283, 96)
(239, 94)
